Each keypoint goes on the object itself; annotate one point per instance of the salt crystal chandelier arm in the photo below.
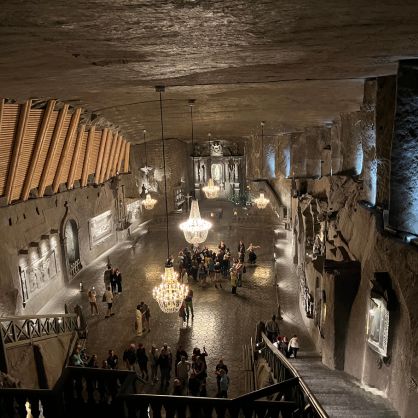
(261, 201)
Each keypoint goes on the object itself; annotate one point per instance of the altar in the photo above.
(222, 161)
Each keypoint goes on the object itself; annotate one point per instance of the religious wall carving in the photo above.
(133, 211)
(37, 275)
(100, 228)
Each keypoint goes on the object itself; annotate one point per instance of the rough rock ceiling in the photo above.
(291, 63)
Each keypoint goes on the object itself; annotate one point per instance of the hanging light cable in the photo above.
(170, 293)
(148, 202)
(211, 190)
(262, 201)
(195, 229)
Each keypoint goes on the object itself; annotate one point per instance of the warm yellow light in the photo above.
(211, 190)
(261, 201)
(149, 202)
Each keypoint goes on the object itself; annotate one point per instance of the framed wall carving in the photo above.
(37, 275)
(100, 228)
(378, 326)
(133, 211)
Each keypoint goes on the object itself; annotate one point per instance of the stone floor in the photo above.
(223, 322)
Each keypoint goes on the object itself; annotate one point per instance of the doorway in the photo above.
(72, 248)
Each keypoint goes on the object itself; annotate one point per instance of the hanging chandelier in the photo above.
(211, 190)
(261, 201)
(170, 293)
(195, 229)
(149, 202)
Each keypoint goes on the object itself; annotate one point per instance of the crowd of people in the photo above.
(187, 375)
(209, 267)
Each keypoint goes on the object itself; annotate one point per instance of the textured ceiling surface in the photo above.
(291, 63)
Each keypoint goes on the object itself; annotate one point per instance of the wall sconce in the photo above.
(81, 286)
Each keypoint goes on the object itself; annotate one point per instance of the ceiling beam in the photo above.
(39, 145)
(72, 129)
(105, 157)
(90, 141)
(126, 158)
(116, 159)
(100, 155)
(52, 149)
(76, 155)
(17, 148)
(111, 156)
(1, 112)
(121, 154)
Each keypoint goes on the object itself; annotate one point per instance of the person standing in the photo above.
(165, 362)
(183, 369)
(142, 359)
(138, 321)
(113, 281)
(189, 304)
(252, 256)
(112, 360)
(234, 280)
(220, 366)
(93, 301)
(223, 384)
(241, 250)
(129, 357)
(107, 276)
(108, 298)
(272, 329)
(182, 314)
(118, 281)
(239, 267)
(153, 358)
(293, 346)
(146, 315)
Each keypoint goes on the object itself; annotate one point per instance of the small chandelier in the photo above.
(195, 229)
(211, 190)
(149, 202)
(261, 201)
(170, 293)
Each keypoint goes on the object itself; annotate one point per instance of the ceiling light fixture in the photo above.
(195, 229)
(170, 293)
(261, 201)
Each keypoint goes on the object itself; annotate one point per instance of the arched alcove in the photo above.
(72, 250)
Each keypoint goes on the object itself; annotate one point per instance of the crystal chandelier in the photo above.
(261, 201)
(170, 293)
(195, 229)
(149, 202)
(211, 190)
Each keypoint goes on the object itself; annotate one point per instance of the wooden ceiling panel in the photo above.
(44, 150)
(9, 121)
(28, 144)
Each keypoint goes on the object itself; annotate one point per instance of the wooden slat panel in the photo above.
(126, 158)
(87, 156)
(52, 151)
(101, 154)
(39, 145)
(111, 156)
(106, 156)
(115, 160)
(121, 154)
(74, 159)
(17, 146)
(95, 152)
(44, 151)
(67, 150)
(9, 122)
(80, 157)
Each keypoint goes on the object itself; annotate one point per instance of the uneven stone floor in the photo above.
(223, 322)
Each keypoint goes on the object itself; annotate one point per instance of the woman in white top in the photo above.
(138, 321)
(108, 298)
(293, 346)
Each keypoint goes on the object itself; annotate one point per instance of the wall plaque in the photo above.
(100, 228)
(37, 275)
(133, 210)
